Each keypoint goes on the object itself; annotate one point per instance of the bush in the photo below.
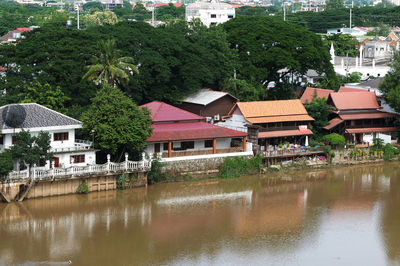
(6, 163)
(155, 175)
(389, 151)
(121, 181)
(334, 139)
(83, 188)
(238, 166)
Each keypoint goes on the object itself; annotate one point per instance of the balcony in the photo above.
(79, 145)
(201, 152)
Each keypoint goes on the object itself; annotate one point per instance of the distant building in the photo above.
(313, 6)
(355, 31)
(111, 4)
(214, 105)
(13, 35)
(210, 12)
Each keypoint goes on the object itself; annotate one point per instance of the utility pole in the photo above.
(351, 8)
(152, 14)
(77, 24)
(284, 11)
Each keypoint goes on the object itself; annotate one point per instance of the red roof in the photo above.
(162, 112)
(354, 100)
(22, 29)
(165, 4)
(191, 131)
(308, 94)
(372, 130)
(348, 89)
(284, 133)
(357, 116)
(333, 123)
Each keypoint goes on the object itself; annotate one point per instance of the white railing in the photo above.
(288, 152)
(40, 173)
(81, 142)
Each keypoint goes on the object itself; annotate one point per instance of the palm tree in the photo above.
(108, 67)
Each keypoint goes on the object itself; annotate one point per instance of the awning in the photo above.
(366, 116)
(371, 130)
(284, 133)
(333, 123)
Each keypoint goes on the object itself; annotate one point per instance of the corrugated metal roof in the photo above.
(36, 116)
(357, 116)
(285, 118)
(191, 131)
(284, 133)
(162, 112)
(205, 96)
(333, 123)
(271, 108)
(371, 130)
(308, 94)
(354, 100)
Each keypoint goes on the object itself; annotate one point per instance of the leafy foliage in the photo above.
(272, 50)
(155, 175)
(108, 67)
(44, 95)
(238, 166)
(29, 149)
(83, 188)
(344, 44)
(320, 111)
(118, 124)
(6, 162)
(334, 139)
(390, 86)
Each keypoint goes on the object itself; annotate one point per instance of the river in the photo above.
(338, 216)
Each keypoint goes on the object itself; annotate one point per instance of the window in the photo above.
(165, 146)
(187, 145)
(61, 136)
(77, 158)
(213, 16)
(230, 16)
(13, 140)
(1, 139)
(208, 143)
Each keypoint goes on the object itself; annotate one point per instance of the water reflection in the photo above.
(347, 216)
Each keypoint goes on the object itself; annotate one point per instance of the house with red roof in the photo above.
(310, 93)
(177, 132)
(359, 117)
(13, 35)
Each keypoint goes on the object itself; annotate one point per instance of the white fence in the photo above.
(40, 173)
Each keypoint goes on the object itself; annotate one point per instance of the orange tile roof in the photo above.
(308, 94)
(354, 100)
(372, 130)
(283, 118)
(279, 108)
(349, 89)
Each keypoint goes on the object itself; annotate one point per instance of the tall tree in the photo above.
(119, 125)
(108, 67)
(390, 86)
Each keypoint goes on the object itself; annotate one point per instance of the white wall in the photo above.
(65, 158)
(235, 121)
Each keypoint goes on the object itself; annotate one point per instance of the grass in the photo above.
(239, 166)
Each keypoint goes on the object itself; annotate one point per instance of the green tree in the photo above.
(44, 95)
(93, 6)
(29, 149)
(100, 18)
(108, 67)
(244, 91)
(334, 139)
(320, 111)
(390, 86)
(118, 124)
(6, 163)
(334, 4)
(344, 44)
(273, 50)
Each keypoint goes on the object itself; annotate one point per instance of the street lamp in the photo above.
(92, 131)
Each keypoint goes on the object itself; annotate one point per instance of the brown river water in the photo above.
(338, 216)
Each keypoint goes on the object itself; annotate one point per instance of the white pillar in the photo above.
(332, 52)
(126, 161)
(356, 61)
(361, 55)
(342, 63)
(108, 162)
(34, 171)
(373, 63)
(306, 143)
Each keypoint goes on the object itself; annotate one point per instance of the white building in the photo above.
(68, 151)
(210, 12)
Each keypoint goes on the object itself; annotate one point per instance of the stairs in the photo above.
(22, 194)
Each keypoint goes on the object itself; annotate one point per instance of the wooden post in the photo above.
(214, 146)
(244, 143)
(170, 149)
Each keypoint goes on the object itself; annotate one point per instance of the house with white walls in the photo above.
(68, 151)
